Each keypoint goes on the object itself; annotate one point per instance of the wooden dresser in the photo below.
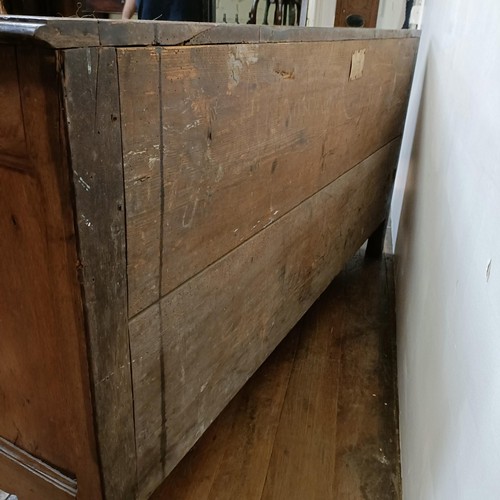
(173, 198)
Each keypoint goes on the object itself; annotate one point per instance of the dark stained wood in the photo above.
(12, 136)
(211, 353)
(141, 142)
(235, 139)
(335, 440)
(44, 386)
(93, 116)
(366, 9)
(41, 7)
(31, 479)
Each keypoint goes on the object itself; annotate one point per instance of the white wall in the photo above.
(391, 14)
(321, 13)
(448, 259)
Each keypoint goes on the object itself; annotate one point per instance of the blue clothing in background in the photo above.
(170, 10)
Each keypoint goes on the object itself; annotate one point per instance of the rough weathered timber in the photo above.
(253, 130)
(74, 33)
(139, 71)
(146, 349)
(337, 432)
(93, 116)
(212, 352)
(118, 33)
(262, 167)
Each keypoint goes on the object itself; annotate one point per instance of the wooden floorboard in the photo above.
(319, 418)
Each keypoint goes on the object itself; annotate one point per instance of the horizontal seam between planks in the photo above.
(206, 268)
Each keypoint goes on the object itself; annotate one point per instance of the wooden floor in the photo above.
(319, 418)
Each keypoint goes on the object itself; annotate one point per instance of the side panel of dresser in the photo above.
(44, 386)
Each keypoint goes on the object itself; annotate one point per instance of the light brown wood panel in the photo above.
(335, 439)
(91, 81)
(141, 143)
(231, 459)
(211, 353)
(43, 370)
(245, 120)
(146, 350)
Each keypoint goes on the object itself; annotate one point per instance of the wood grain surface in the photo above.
(237, 124)
(217, 190)
(44, 385)
(140, 91)
(147, 353)
(252, 131)
(13, 147)
(333, 418)
(232, 458)
(91, 81)
(75, 33)
(210, 353)
(30, 478)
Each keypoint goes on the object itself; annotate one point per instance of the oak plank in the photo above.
(211, 353)
(245, 120)
(74, 33)
(286, 34)
(141, 142)
(147, 361)
(114, 33)
(93, 118)
(225, 34)
(68, 33)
